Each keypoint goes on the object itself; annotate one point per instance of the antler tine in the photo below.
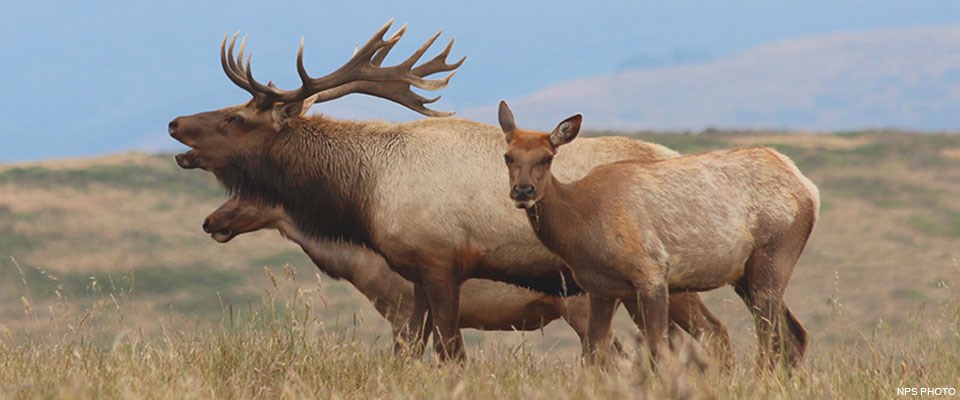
(436, 65)
(341, 75)
(376, 43)
(410, 61)
(230, 66)
(362, 73)
(301, 70)
(381, 54)
(243, 48)
(396, 91)
(439, 63)
(268, 94)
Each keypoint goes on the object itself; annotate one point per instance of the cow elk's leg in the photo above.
(689, 312)
(651, 316)
(781, 337)
(762, 292)
(796, 344)
(576, 313)
(596, 346)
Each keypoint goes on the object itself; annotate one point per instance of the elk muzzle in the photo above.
(522, 195)
(221, 234)
(187, 160)
(173, 128)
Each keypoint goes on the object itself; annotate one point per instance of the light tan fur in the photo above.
(632, 230)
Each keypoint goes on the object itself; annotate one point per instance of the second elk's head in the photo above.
(530, 154)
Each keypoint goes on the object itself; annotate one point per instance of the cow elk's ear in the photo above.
(566, 131)
(507, 123)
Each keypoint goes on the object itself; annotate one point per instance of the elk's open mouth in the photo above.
(187, 160)
(224, 235)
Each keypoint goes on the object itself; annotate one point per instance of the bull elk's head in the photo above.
(530, 154)
(216, 136)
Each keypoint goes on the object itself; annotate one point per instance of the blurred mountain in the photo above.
(904, 78)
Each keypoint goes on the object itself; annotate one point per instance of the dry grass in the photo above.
(121, 295)
(283, 348)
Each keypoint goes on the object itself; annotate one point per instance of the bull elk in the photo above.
(406, 191)
(637, 230)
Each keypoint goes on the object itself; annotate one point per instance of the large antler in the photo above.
(363, 73)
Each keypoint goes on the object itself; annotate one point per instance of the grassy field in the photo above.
(108, 288)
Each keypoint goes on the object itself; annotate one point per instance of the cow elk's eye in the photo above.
(547, 161)
(235, 119)
(507, 159)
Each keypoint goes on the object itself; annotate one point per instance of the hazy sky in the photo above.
(94, 77)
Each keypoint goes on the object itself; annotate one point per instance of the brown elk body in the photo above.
(406, 191)
(636, 230)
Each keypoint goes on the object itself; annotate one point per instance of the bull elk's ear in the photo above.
(297, 109)
(566, 131)
(507, 123)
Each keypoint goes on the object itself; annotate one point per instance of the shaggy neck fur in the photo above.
(322, 172)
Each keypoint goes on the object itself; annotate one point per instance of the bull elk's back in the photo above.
(452, 167)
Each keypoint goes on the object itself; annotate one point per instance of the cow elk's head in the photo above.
(216, 137)
(236, 217)
(530, 154)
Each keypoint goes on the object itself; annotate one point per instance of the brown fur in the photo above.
(632, 230)
(406, 191)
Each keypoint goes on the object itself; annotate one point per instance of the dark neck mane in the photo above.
(322, 172)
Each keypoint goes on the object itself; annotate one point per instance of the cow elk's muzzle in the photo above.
(220, 234)
(522, 195)
(523, 192)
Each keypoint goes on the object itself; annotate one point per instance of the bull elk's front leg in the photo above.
(413, 334)
(443, 292)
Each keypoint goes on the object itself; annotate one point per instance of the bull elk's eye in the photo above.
(235, 119)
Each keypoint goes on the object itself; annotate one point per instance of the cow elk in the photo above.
(635, 230)
(403, 190)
